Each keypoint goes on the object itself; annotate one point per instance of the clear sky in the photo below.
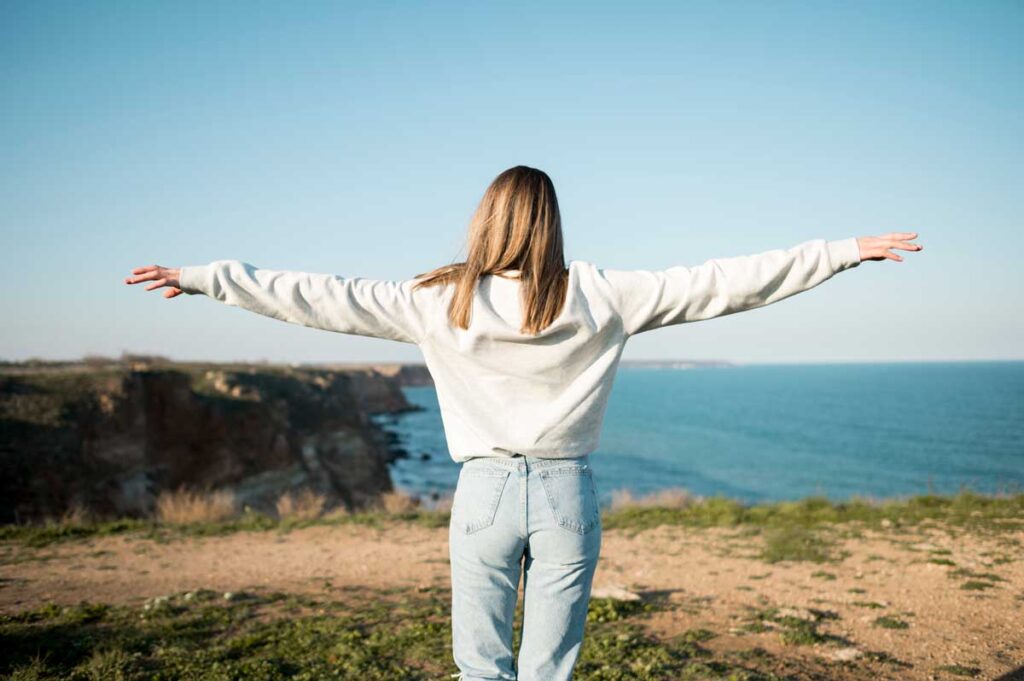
(356, 139)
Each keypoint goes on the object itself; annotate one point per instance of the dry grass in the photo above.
(675, 497)
(184, 506)
(77, 516)
(305, 504)
(397, 502)
(339, 512)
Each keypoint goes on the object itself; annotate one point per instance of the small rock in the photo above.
(845, 654)
(799, 613)
(614, 592)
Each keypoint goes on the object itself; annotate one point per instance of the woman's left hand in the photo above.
(159, 276)
(877, 247)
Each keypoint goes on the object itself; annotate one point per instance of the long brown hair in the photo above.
(517, 226)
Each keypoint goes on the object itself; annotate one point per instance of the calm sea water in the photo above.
(771, 432)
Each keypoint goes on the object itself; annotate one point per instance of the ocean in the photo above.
(781, 432)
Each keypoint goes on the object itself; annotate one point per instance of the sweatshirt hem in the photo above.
(561, 453)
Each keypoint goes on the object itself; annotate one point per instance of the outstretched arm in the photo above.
(352, 305)
(652, 299)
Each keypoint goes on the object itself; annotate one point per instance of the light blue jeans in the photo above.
(530, 517)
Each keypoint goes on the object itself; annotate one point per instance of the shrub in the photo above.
(184, 506)
(397, 502)
(673, 497)
(305, 504)
(77, 515)
(339, 512)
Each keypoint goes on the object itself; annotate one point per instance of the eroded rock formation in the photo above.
(109, 437)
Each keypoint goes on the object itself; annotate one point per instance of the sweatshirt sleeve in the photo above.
(353, 305)
(649, 300)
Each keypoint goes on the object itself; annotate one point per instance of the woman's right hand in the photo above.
(160, 277)
(877, 247)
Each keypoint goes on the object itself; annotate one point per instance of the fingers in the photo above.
(904, 246)
(143, 274)
(898, 240)
(156, 275)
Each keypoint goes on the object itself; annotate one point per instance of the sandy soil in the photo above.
(711, 578)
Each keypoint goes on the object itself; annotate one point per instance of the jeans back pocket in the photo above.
(572, 496)
(476, 498)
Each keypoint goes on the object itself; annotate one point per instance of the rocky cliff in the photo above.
(108, 437)
(403, 374)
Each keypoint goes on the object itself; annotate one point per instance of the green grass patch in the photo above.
(976, 585)
(886, 658)
(612, 610)
(203, 635)
(372, 635)
(959, 670)
(977, 581)
(821, 574)
(45, 534)
(1002, 559)
(793, 628)
(987, 576)
(996, 514)
(796, 543)
(965, 509)
(890, 622)
(698, 635)
(36, 536)
(802, 633)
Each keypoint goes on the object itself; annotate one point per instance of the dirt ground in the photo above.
(924, 584)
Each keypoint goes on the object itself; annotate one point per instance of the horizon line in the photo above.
(684, 360)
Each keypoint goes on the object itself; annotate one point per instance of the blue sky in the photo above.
(357, 138)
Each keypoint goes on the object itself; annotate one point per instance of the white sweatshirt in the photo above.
(502, 392)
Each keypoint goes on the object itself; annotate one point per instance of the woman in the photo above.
(523, 350)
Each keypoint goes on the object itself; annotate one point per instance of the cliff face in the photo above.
(408, 374)
(403, 374)
(110, 438)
